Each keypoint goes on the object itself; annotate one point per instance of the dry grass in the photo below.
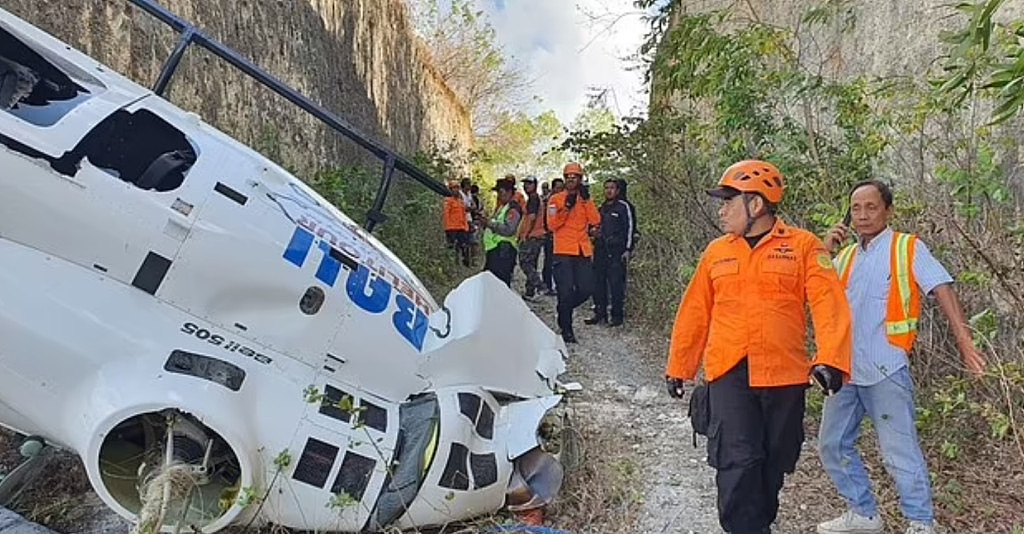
(61, 499)
(602, 494)
(977, 491)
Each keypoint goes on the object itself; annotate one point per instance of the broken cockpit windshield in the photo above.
(32, 88)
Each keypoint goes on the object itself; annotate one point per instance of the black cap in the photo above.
(724, 193)
(504, 184)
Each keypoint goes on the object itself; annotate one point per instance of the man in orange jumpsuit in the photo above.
(743, 315)
(571, 213)
(456, 222)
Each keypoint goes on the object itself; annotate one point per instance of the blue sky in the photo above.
(568, 46)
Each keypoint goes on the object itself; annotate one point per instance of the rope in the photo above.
(171, 485)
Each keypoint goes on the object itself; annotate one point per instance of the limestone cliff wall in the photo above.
(873, 37)
(358, 58)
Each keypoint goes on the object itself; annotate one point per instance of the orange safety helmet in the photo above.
(572, 168)
(751, 176)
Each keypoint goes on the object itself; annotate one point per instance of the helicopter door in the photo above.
(232, 270)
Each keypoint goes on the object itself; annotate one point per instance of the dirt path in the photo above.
(622, 376)
(622, 372)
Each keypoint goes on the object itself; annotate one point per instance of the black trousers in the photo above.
(609, 279)
(546, 271)
(574, 277)
(459, 239)
(754, 440)
(501, 261)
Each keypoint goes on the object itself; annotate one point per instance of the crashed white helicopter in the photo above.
(219, 344)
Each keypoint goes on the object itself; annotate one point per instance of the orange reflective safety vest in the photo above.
(532, 229)
(750, 303)
(903, 311)
(569, 226)
(521, 200)
(453, 216)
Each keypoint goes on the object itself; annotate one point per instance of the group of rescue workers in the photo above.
(586, 248)
(743, 317)
(742, 320)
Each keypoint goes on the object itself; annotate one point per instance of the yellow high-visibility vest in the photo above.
(492, 239)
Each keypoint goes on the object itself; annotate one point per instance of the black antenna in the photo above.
(190, 35)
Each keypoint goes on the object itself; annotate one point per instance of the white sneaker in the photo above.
(853, 523)
(917, 527)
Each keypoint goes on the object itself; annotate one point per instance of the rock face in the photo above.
(12, 523)
(358, 58)
(889, 39)
(873, 37)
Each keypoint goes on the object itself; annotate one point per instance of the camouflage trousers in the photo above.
(529, 252)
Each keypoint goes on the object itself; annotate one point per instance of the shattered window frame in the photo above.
(39, 89)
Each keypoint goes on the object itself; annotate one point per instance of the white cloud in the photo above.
(566, 51)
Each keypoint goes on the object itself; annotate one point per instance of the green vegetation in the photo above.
(413, 230)
(466, 53)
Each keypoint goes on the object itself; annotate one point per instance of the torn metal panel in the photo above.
(495, 342)
(468, 472)
(418, 419)
(523, 419)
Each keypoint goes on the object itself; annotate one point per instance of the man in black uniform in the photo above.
(612, 248)
(623, 190)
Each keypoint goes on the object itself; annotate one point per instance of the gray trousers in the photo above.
(529, 253)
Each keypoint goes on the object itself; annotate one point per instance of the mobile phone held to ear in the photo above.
(848, 218)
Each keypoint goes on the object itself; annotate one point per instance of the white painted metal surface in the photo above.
(103, 280)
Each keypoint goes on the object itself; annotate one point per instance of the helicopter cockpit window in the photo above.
(32, 88)
(137, 147)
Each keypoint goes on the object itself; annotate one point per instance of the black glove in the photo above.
(675, 387)
(585, 192)
(828, 378)
(570, 201)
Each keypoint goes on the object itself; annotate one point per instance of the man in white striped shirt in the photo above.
(886, 275)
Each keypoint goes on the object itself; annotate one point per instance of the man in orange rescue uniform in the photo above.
(743, 313)
(570, 214)
(456, 222)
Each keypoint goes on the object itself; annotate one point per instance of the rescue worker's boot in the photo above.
(565, 326)
(616, 321)
(598, 318)
(852, 523)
